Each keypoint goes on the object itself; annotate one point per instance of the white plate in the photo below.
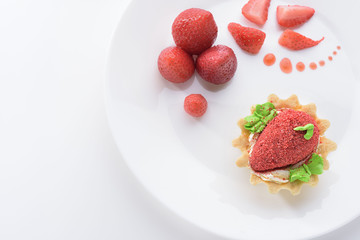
(189, 164)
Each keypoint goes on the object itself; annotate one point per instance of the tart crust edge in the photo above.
(324, 148)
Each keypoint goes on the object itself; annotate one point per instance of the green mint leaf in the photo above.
(309, 128)
(307, 169)
(272, 114)
(301, 173)
(264, 109)
(260, 128)
(316, 164)
(262, 115)
(252, 119)
(257, 114)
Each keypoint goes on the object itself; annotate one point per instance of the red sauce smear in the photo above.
(334, 52)
(269, 59)
(338, 47)
(322, 63)
(313, 66)
(285, 65)
(330, 58)
(300, 66)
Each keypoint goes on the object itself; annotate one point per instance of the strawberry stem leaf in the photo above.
(309, 128)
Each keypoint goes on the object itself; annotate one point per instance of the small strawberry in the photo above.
(296, 41)
(194, 30)
(256, 11)
(249, 39)
(195, 105)
(217, 65)
(292, 16)
(176, 65)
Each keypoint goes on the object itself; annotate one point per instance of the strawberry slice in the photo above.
(256, 11)
(292, 16)
(248, 39)
(296, 41)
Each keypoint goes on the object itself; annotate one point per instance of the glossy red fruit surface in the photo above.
(176, 65)
(194, 30)
(195, 105)
(217, 65)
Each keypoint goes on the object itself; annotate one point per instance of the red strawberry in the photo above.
(256, 11)
(249, 39)
(194, 30)
(296, 41)
(291, 16)
(195, 105)
(217, 64)
(279, 145)
(176, 65)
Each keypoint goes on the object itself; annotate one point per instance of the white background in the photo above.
(61, 175)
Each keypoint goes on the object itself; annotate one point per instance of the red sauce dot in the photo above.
(313, 66)
(334, 52)
(330, 58)
(285, 65)
(321, 63)
(338, 47)
(269, 59)
(300, 66)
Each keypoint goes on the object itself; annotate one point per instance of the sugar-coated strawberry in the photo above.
(279, 145)
(195, 105)
(176, 65)
(194, 30)
(256, 11)
(293, 15)
(296, 41)
(217, 65)
(249, 39)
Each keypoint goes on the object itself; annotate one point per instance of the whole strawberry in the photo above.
(194, 30)
(248, 39)
(217, 65)
(195, 105)
(176, 65)
(295, 41)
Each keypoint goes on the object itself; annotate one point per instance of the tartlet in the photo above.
(283, 144)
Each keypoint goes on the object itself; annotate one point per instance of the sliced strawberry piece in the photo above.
(296, 41)
(256, 11)
(292, 16)
(248, 39)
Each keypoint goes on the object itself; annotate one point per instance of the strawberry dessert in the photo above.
(279, 145)
(283, 144)
(176, 65)
(217, 65)
(249, 39)
(295, 41)
(256, 11)
(293, 16)
(194, 30)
